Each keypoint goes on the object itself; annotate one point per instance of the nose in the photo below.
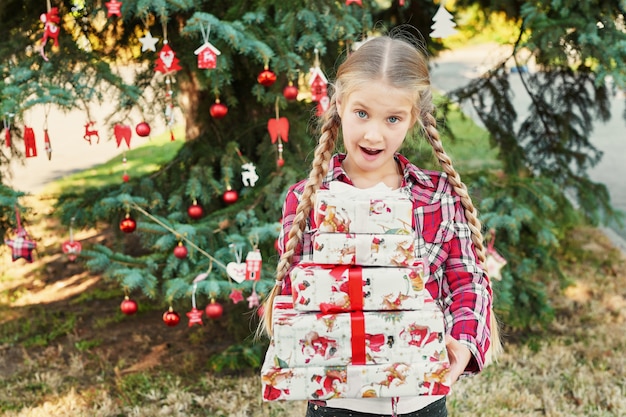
(373, 132)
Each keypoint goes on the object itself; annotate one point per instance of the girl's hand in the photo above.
(459, 357)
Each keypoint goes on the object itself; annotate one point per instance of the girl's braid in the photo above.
(319, 169)
(432, 135)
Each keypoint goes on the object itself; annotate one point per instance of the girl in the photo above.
(382, 91)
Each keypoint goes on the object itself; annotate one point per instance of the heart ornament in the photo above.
(71, 249)
(237, 271)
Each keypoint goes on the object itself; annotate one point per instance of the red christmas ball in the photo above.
(266, 77)
(128, 306)
(280, 162)
(218, 110)
(171, 318)
(290, 92)
(195, 211)
(142, 129)
(260, 311)
(230, 196)
(125, 177)
(128, 224)
(214, 310)
(180, 251)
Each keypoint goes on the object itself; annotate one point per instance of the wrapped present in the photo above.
(363, 249)
(358, 338)
(338, 288)
(398, 379)
(343, 208)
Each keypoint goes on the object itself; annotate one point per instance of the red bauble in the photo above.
(280, 162)
(180, 251)
(128, 306)
(266, 77)
(214, 310)
(290, 92)
(125, 177)
(230, 196)
(128, 224)
(218, 110)
(195, 211)
(142, 129)
(171, 318)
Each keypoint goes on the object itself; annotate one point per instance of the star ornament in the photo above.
(148, 43)
(236, 296)
(253, 300)
(21, 247)
(114, 8)
(195, 317)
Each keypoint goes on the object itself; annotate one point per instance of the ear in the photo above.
(338, 105)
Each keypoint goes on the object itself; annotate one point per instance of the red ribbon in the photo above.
(355, 288)
(357, 325)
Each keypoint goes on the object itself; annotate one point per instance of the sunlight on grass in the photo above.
(142, 160)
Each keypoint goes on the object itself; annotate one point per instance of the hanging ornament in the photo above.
(236, 270)
(180, 251)
(278, 129)
(443, 25)
(290, 92)
(6, 121)
(494, 262)
(29, 142)
(51, 29)
(236, 296)
(214, 310)
(46, 140)
(318, 84)
(266, 77)
(125, 176)
(249, 177)
(195, 210)
(128, 306)
(253, 299)
(142, 129)
(122, 133)
(128, 224)
(171, 318)
(195, 315)
(114, 8)
(401, 2)
(91, 133)
(218, 110)
(148, 43)
(167, 62)
(71, 247)
(207, 53)
(230, 196)
(253, 265)
(359, 2)
(21, 246)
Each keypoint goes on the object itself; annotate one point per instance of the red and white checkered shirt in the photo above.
(443, 240)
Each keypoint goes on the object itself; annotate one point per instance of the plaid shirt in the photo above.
(443, 240)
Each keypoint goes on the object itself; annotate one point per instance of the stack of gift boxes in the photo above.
(359, 322)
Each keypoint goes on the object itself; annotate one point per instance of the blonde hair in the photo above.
(402, 65)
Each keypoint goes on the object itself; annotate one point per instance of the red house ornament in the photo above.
(318, 84)
(253, 265)
(207, 56)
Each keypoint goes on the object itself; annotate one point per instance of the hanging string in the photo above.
(199, 249)
(206, 33)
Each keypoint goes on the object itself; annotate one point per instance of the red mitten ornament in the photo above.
(29, 142)
(167, 62)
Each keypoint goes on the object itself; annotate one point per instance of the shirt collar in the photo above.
(411, 172)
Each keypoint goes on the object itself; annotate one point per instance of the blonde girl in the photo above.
(381, 92)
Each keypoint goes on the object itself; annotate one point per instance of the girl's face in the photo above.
(374, 121)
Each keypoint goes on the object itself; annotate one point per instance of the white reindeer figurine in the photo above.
(249, 176)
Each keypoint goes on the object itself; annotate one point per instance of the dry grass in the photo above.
(576, 368)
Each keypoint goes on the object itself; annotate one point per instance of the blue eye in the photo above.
(361, 114)
(393, 119)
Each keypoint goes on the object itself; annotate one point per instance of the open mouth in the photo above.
(371, 151)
